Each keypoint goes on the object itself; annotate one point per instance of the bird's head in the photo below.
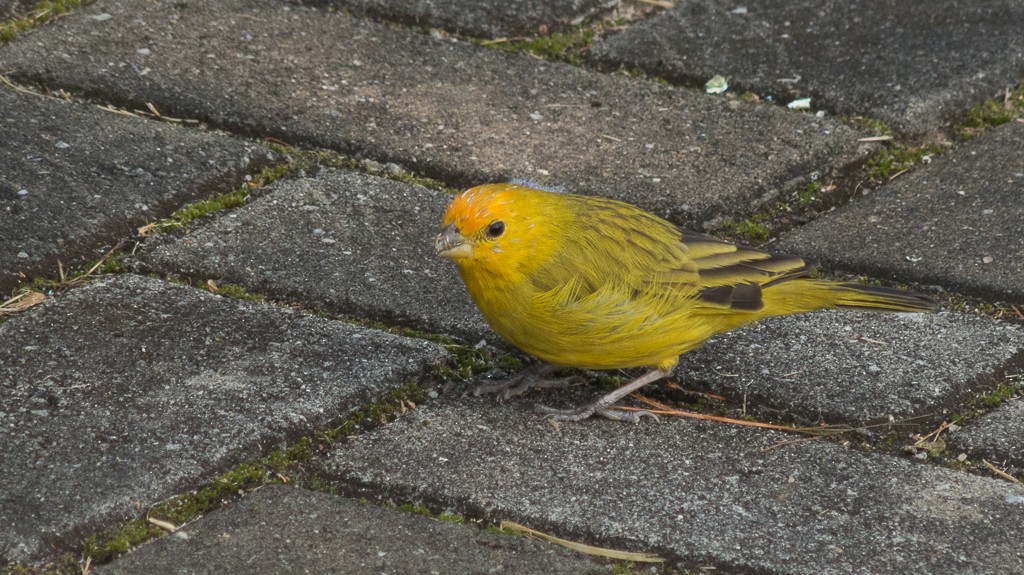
(495, 227)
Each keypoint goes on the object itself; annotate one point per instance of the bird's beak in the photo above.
(451, 244)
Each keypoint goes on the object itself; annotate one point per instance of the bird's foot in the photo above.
(603, 406)
(532, 377)
(591, 409)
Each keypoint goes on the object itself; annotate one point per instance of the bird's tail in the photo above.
(808, 294)
(878, 298)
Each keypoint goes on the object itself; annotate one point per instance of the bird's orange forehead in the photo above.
(477, 207)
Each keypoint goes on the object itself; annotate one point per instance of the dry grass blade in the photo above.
(25, 299)
(662, 409)
(580, 547)
(1000, 472)
(704, 394)
(165, 525)
(659, 3)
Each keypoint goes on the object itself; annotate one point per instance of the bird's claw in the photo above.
(529, 378)
(589, 410)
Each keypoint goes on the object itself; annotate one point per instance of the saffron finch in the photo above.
(594, 283)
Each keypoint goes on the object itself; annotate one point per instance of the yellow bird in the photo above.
(595, 283)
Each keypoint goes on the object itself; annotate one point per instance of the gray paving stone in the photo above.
(480, 19)
(997, 437)
(955, 222)
(15, 8)
(698, 493)
(849, 367)
(75, 179)
(343, 242)
(288, 530)
(129, 390)
(916, 65)
(442, 108)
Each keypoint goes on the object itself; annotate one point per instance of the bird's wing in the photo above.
(721, 275)
(639, 257)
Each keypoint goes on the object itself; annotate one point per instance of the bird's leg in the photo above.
(531, 377)
(603, 405)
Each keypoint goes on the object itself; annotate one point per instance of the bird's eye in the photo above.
(495, 229)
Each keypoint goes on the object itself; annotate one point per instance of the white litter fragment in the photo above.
(716, 85)
(800, 104)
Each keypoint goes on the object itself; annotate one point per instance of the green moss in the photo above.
(755, 229)
(968, 304)
(40, 14)
(806, 195)
(873, 126)
(451, 518)
(236, 292)
(557, 46)
(992, 113)
(63, 565)
(226, 201)
(895, 158)
(416, 509)
(280, 466)
(996, 397)
(107, 546)
(378, 412)
(297, 161)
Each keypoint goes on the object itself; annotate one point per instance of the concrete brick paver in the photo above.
(955, 223)
(286, 530)
(441, 108)
(854, 367)
(700, 494)
(129, 390)
(348, 243)
(75, 179)
(917, 65)
(15, 8)
(997, 437)
(482, 19)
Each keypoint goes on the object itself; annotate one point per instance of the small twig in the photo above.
(109, 108)
(678, 387)
(165, 525)
(933, 436)
(588, 549)
(875, 139)
(659, 3)
(7, 82)
(1000, 472)
(898, 174)
(662, 409)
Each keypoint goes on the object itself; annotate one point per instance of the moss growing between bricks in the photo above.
(298, 162)
(42, 13)
(992, 113)
(895, 159)
(280, 466)
(556, 47)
